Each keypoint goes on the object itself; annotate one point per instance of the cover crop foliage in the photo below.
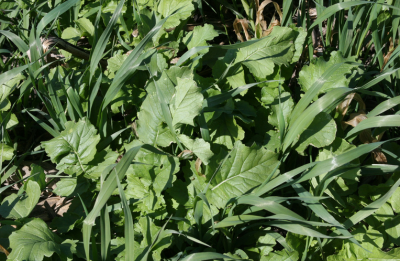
(199, 130)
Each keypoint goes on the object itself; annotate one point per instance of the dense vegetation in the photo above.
(199, 130)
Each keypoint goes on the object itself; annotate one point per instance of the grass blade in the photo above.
(50, 16)
(101, 44)
(377, 121)
(384, 106)
(128, 225)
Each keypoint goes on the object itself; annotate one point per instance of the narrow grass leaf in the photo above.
(377, 121)
(128, 224)
(103, 40)
(325, 103)
(130, 65)
(313, 91)
(22, 46)
(50, 16)
(384, 106)
(107, 189)
(53, 132)
(371, 208)
(331, 10)
(105, 233)
(206, 256)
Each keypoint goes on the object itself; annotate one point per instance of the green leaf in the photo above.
(298, 43)
(370, 240)
(285, 107)
(206, 256)
(395, 200)
(12, 122)
(150, 126)
(71, 35)
(71, 186)
(98, 50)
(186, 102)
(168, 7)
(86, 26)
(320, 133)
(50, 16)
(115, 63)
(384, 106)
(95, 167)
(377, 121)
(339, 78)
(76, 145)
(199, 147)
(151, 234)
(10, 85)
(7, 152)
(156, 171)
(38, 175)
(33, 242)
(225, 131)
(276, 48)
(5, 232)
(199, 36)
(68, 249)
(282, 255)
(392, 228)
(20, 206)
(246, 168)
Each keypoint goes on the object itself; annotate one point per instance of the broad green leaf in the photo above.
(246, 168)
(285, 107)
(225, 131)
(33, 242)
(186, 102)
(395, 201)
(7, 87)
(71, 35)
(320, 133)
(85, 26)
(276, 48)
(392, 228)
(156, 171)
(199, 36)
(12, 122)
(199, 147)
(68, 249)
(95, 167)
(151, 234)
(114, 64)
(5, 232)
(16, 207)
(339, 78)
(68, 186)
(325, 103)
(38, 175)
(370, 240)
(157, 64)
(282, 255)
(337, 147)
(168, 7)
(6, 151)
(151, 128)
(298, 43)
(76, 145)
